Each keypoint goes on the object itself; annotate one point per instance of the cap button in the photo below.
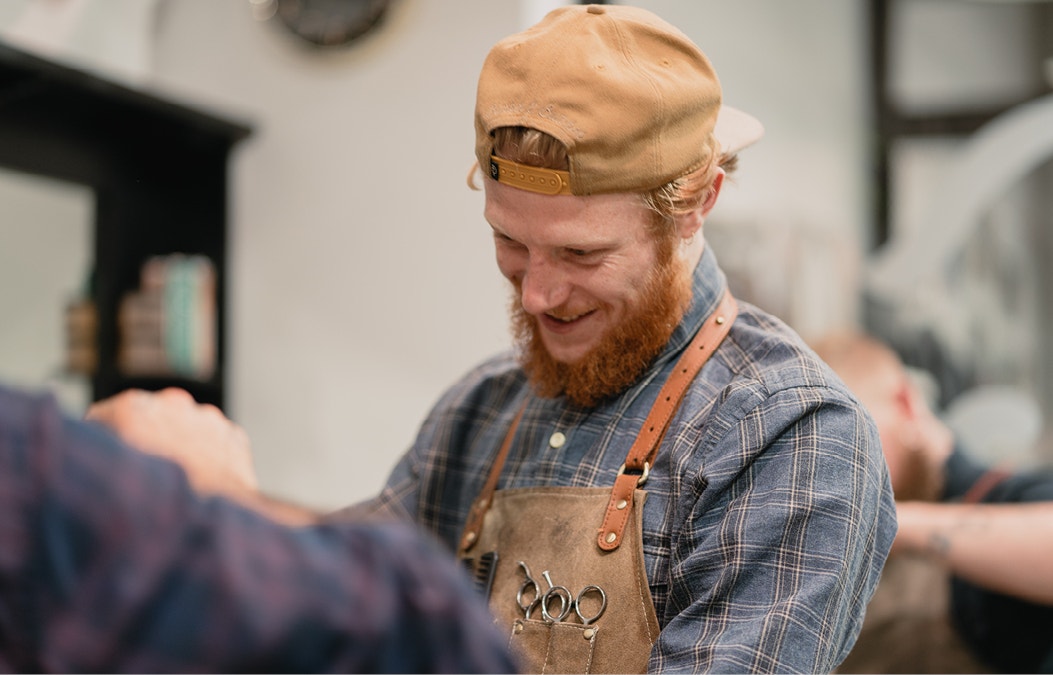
(596, 9)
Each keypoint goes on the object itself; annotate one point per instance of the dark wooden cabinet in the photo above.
(159, 172)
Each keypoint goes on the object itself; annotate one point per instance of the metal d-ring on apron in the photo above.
(553, 530)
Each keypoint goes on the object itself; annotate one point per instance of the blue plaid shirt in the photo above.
(110, 562)
(769, 512)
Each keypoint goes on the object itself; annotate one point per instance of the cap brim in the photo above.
(736, 130)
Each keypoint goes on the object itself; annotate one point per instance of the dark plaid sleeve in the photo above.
(109, 562)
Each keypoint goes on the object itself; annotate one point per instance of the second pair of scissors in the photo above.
(529, 597)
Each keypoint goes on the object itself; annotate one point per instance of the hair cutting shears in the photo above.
(557, 602)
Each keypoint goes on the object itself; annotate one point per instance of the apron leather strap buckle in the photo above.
(643, 473)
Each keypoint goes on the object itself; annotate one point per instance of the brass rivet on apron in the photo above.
(588, 633)
(720, 320)
(469, 538)
(518, 627)
(557, 440)
(621, 504)
(611, 537)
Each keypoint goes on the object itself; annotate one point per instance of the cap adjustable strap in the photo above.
(533, 178)
(641, 455)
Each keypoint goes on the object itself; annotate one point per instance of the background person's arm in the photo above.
(1006, 548)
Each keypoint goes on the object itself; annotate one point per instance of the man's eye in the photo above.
(584, 256)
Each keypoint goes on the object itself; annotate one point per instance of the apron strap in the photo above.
(641, 455)
(482, 503)
(990, 479)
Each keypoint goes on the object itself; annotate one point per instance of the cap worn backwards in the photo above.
(633, 99)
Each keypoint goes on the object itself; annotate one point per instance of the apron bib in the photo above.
(571, 596)
(553, 530)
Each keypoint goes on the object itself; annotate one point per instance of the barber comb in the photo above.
(482, 570)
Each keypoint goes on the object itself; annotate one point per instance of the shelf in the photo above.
(159, 171)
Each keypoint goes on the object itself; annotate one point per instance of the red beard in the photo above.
(622, 354)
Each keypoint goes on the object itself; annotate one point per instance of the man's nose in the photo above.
(545, 287)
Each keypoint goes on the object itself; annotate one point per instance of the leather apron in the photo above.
(580, 538)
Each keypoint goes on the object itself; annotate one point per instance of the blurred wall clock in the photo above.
(325, 23)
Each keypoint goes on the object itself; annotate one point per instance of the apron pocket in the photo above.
(543, 647)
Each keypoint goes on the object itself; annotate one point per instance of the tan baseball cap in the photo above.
(634, 100)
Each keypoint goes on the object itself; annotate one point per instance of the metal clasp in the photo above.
(643, 476)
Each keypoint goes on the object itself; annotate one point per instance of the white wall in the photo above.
(42, 220)
(362, 273)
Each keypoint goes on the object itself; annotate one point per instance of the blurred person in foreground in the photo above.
(969, 585)
(111, 562)
(695, 488)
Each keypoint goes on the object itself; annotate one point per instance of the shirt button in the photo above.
(557, 440)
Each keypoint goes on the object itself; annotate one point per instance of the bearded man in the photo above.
(656, 477)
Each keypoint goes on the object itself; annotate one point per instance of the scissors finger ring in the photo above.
(587, 619)
(566, 601)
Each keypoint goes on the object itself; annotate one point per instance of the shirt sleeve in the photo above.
(110, 562)
(784, 547)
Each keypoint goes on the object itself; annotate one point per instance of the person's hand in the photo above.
(214, 451)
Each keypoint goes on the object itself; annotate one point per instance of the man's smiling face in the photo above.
(597, 294)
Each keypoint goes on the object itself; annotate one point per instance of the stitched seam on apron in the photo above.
(642, 586)
(592, 650)
(548, 650)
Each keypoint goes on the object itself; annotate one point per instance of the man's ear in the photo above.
(910, 399)
(714, 192)
(691, 222)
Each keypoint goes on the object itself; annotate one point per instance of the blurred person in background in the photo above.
(111, 562)
(969, 585)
